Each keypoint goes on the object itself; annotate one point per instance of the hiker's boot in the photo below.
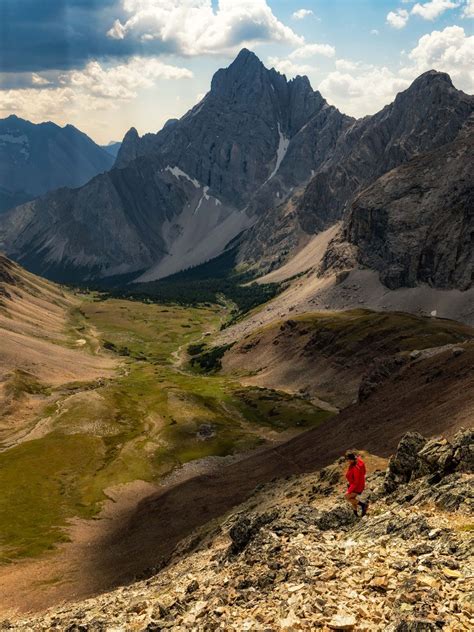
(363, 507)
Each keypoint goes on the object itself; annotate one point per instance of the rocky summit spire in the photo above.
(129, 148)
(244, 72)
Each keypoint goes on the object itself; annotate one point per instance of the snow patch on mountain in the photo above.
(179, 173)
(281, 152)
(204, 196)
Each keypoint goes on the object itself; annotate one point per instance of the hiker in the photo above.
(356, 482)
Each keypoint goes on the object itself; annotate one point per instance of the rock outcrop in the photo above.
(294, 557)
(415, 224)
(429, 114)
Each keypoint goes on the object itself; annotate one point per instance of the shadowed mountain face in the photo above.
(416, 223)
(236, 139)
(259, 155)
(35, 159)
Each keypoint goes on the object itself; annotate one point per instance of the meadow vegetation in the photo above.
(157, 413)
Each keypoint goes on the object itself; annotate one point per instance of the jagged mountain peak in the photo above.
(245, 72)
(248, 72)
(131, 134)
(301, 81)
(246, 57)
(129, 149)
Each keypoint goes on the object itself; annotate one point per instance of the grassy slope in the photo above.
(139, 425)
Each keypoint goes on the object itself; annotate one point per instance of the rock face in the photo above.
(294, 557)
(35, 159)
(415, 223)
(246, 130)
(429, 114)
(78, 233)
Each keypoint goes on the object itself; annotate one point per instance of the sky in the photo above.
(107, 65)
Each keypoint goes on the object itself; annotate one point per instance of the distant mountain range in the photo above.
(260, 162)
(35, 159)
(113, 148)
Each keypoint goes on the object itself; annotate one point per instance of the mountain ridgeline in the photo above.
(35, 159)
(260, 162)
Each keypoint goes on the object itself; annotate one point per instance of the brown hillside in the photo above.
(326, 354)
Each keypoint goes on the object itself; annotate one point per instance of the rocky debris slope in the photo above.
(294, 557)
(35, 159)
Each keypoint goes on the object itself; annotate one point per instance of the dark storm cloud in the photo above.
(39, 35)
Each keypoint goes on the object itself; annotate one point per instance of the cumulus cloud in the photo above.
(347, 65)
(122, 81)
(194, 27)
(92, 88)
(310, 50)
(374, 32)
(398, 19)
(360, 89)
(433, 9)
(301, 14)
(364, 91)
(468, 11)
(288, 67)
(449, 50)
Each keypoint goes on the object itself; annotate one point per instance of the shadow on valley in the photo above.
(435, 395)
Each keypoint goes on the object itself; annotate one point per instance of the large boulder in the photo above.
(339, 516)
(437, 456)
(463, 444)
(404, 461)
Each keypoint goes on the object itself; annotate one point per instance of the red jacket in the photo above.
(356, 477)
